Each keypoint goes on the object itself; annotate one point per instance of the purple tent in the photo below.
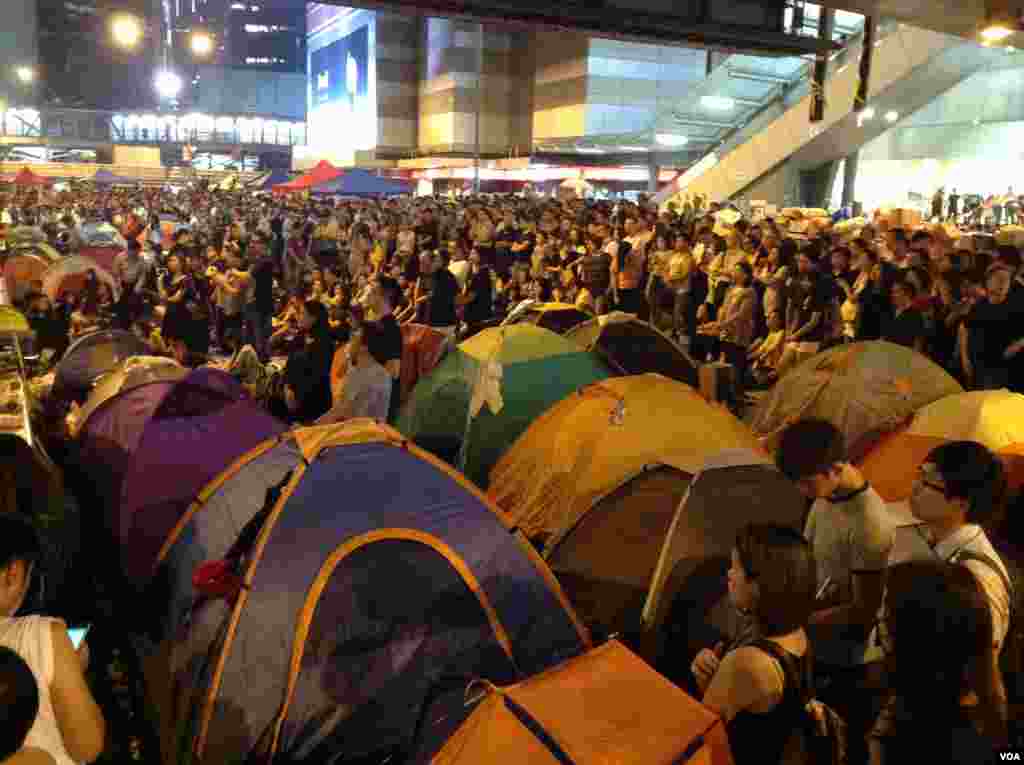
(93, 356)
(203, 424)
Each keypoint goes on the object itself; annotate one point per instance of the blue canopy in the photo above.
(363, 183)
(104, 177)
(275, 178)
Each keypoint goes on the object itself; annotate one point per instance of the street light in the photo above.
(202, 44)
(168, 84)
(26, 74)
(126, 30)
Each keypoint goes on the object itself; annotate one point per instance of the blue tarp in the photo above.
(362, 183)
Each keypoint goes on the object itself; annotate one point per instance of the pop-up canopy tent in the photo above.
(92, 356)
(592, 709)
(864, 389)
(557, 317)
(104, 177)
(272, 179)
(321, 174)
(362, 183)
(634, 347)
(381, 572)
(26, 177)
(489, 389)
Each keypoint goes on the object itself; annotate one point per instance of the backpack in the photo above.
(819, 736)
(1011, 656)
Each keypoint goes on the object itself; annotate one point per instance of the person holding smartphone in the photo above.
(69, 725)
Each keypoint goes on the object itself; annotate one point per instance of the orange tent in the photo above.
(323, 172)
(26, 177)
(422, 348)
(994, 418)
(606, 706)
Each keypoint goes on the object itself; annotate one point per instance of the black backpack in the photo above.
(819, 737)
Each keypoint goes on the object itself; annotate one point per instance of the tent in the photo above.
(489, 389)
(92, 356)
(687, 606)
(558, 317)
(104, 177)
(593, 709)
(131, 373)
(635, 347)
(70, 274)
(101, 235)
(26, 177)
(274, 178)
(864, 389)
(994, 418)
(25, 265)
(321, 174)
(362, 183)
(380, 572)
(199, 428)
(13, 322)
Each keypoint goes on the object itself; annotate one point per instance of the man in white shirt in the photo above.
(960, 487)
(366, 389)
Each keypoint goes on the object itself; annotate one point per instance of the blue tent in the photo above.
(275, 178)
(104, 177)
(363, 183)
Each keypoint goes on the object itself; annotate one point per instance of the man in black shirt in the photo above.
(479, 296)
(444, 290)
(907, 326)
(426, 232)
(259, 306)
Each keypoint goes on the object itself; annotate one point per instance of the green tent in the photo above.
(502, 379)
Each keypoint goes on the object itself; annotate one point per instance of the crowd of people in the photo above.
(841, 620)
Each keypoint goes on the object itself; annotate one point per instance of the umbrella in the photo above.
(92, 356)
(993, 418)
(25, 265)
(489, 389)
(70, 274)
(635, 347)
(598, 439)
(864, 389)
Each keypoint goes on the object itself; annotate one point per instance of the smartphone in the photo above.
(78, 634)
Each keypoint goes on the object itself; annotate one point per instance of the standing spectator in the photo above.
(259, 306)
(386, 347)
(851, 534)
(444, 290)
(307, 375)
(907, 325)
(479, 295)
(988, 339)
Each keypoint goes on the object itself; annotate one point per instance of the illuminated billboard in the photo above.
(342, 92)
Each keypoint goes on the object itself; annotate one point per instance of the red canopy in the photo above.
(26, 177)
(323, 172)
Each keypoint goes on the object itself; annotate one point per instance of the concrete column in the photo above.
(652, 174)
(850, 178)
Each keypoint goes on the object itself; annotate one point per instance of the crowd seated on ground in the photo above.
(280, 292)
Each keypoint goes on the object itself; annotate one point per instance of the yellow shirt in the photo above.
(680, 266)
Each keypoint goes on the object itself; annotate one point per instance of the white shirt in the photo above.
(31, 637)
(913, 542)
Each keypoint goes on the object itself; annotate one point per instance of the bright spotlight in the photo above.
(892, 116)
(995, 33)
(671, 139)
(168, 84)
(202, 44)
(718, 103)
(26, 74)
(868, 114)
(126, 30)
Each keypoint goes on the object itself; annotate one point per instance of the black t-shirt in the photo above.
(426, 236)
(387, 345)
(991, 331)
(905, 329)
(443, 291)
(530, 239)
(263, 285)
(481, 308)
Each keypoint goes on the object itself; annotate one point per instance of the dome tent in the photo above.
(557, 317)
(92, 356)
(488, 390)
(383, 572)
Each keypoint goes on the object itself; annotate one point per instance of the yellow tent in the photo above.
(994, 418)
(600, 438)
(864, 389)
(606, 706)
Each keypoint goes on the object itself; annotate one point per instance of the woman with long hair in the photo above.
(936, 630)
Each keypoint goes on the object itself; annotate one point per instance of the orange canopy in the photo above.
(606, 706)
